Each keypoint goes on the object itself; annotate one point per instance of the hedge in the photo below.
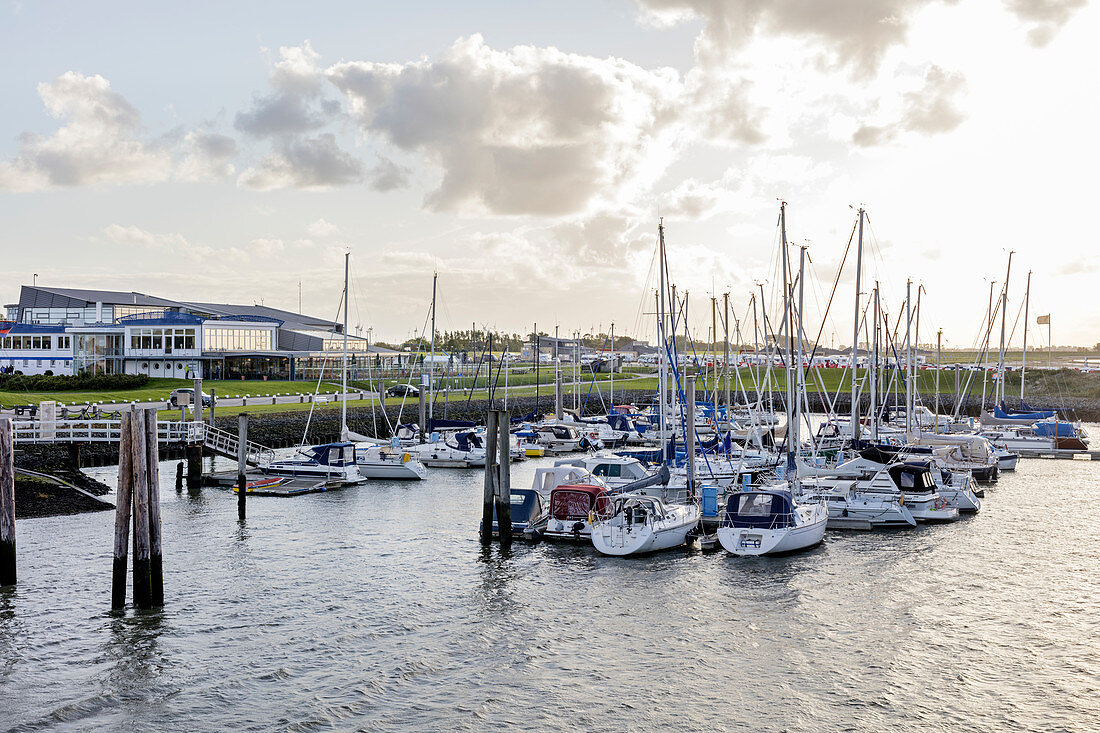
(71, 383)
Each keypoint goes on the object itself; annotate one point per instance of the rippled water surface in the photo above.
(376, 608)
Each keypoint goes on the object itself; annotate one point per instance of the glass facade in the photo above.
(252, 367)
(354, 344)
(98, 353)
(221, 338)
(47, 343)
(131, 310)
(157, 341)
(63, 315)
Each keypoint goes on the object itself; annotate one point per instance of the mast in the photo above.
(431, 366)
(795, 439)
(792, 400)
(908, 358)
(855, 331)
(1023, 356)
(726, 351)
(939, 355)
(1004, 317)
(916, 348)
(714, 354)
(612, 398)
(662, 377)
(344, 371)
(874, 370)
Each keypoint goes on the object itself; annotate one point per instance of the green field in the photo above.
(159, 389)
(1040, 383)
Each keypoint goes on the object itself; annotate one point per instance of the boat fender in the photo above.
(591, 517)
(901, 500)
(577, 527)
(405, 457)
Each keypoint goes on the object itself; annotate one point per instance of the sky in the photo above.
(525, 152)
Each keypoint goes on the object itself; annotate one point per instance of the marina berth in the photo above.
(771, 521)
(636, 524)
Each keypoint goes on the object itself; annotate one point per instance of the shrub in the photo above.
(76, 383)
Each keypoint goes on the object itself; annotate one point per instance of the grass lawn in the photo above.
(159, 389)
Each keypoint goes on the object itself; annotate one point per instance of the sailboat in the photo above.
(778, 519)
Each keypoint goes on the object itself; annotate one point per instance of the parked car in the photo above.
(174, 399)
(403, 390)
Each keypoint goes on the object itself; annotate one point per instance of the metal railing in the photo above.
(110, 431)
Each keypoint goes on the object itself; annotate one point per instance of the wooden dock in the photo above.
(1065, 455)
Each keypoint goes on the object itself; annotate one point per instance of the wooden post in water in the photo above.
(7, 503)
(122, 513)
(504, 482)
(179, 476)
(152, 453)
(212, 401)
(489, 497)
(140, 473)
(196, 405)
(242, 461)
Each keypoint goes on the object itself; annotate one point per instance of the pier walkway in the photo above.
(217, 441)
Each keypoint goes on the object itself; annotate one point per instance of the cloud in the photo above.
(1046, 17)
(523, 131)
(316, 163)
(290, 109)
(856, 33)
(207, 157)
(322, 228)
(99, 143)
(135, 236)
(931, 110)
(387, 175)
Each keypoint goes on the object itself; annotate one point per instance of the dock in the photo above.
(1065, 455)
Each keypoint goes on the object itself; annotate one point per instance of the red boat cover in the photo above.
(575, 501)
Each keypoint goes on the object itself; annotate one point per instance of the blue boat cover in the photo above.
(1056, 429)
(759, 510)
(1001, 413)
(438, 424)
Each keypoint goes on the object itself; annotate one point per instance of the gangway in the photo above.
(217, 441)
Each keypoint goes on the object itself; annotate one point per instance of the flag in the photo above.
(1043, 320)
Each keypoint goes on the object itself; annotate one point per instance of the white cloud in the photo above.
(98, 144)
(932, 109)
(315, 163)
(322, 228)
(207, 157)
(523, 131)
(133, 235)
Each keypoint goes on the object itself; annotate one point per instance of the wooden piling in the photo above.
(122, 514)
(489, 498)
(242, 461)
(152, 454)
(7, 504)
(140, 473)
(504, 480)
(179, 476)
(194, 466)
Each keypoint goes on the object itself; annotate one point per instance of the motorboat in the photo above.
(331, 462)
(770, 521)
(463, 449)
(638, 523)
(388, 462)
(615, 471)
(572, 511)
(525, 508)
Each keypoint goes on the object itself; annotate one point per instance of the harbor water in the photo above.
(375, 608)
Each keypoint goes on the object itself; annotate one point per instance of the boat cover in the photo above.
(575, 501)
(1055, 429)
(759, 510)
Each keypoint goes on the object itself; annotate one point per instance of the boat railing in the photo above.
(726, 520)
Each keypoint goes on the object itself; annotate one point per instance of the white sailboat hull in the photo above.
(621, 540)
(744, 541)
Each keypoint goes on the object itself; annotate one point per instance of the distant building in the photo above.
(71, 331)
